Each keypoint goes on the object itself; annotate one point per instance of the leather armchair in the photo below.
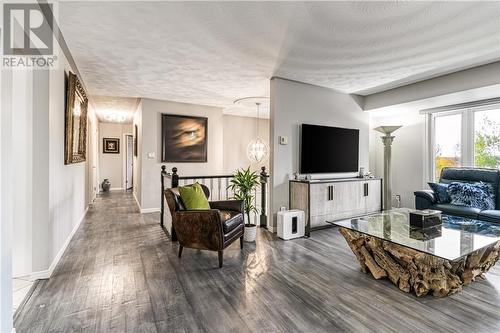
(213, 229)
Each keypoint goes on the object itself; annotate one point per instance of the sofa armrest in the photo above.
(424, 199)
(199, 229)
(233, 205)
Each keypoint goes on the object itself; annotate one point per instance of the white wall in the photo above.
(51, 198)
(238, 132)
(68, 198)
(6, 199)
(111, 166)
(408, 152)
(22, 132)
(151, 143)
(294, 103)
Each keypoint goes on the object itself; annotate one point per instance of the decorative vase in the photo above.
(106, 185)
(250, 232)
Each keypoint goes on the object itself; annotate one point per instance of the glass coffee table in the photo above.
(437, 260)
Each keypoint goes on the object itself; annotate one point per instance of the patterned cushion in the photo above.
(479, 195)
(441, 192)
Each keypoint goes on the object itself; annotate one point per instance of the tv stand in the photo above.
(326, 200)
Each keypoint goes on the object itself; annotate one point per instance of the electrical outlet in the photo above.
(398, 200)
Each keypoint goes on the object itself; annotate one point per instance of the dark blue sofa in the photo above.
(426, 200)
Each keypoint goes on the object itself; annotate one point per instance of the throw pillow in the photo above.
(441, 192)
(193, 197)
(477, 195)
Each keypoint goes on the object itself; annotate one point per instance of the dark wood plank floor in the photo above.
(121, 274)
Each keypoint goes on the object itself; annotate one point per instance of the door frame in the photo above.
(125, 150)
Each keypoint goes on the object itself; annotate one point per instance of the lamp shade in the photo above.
(257, 150)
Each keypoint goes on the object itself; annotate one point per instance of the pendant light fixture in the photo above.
(257, 149)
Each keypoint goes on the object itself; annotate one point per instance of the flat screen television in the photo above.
(328, 149)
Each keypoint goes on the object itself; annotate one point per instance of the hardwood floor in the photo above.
(121, 274)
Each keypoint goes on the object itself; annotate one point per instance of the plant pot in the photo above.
(250, 232)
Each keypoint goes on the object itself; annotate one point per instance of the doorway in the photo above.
(129, 162)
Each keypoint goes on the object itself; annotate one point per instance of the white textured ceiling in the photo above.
(115, 109)
(247, 107)
(215, 52)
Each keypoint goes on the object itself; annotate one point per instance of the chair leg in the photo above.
(180, 250)
(241, 242)
(221, 253)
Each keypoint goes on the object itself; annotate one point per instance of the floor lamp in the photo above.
(387, 141)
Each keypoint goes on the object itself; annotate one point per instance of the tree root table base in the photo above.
(412, 270)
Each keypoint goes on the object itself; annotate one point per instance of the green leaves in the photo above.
(487, 143)
(243, 185)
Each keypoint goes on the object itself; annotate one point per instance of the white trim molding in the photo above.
(46, 274)
(149, 210)
(117, 189)
(124, 159)
(145, 210)
(136, 201)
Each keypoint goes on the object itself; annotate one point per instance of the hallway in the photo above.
(121, 274)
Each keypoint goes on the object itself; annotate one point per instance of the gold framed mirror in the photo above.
(75, 143)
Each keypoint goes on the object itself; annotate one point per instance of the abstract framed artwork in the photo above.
(111, 145)
(184, 138)
(75, 121)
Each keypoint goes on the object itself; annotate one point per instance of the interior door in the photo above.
(130, 163)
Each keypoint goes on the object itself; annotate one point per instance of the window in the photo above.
(487, 139)
(467, 137)
(447, 142)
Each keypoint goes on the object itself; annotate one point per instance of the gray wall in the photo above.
(408, 152)
(481, 82)
(294, 103)
(111, 166)
(228, 137)
(151, 143)
(238, 132)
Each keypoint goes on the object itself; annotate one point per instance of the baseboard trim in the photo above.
(270, 228)
(150, 210)
(46, 274)
(136, 201)
(40, 275)
(117, 189)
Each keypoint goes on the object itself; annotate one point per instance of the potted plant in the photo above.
(243, 186)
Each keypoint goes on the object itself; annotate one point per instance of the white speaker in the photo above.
(291, 224)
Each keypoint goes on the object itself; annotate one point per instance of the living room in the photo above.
(249, 166)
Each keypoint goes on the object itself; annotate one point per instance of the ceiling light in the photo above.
(257, 149)
(115, 117)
